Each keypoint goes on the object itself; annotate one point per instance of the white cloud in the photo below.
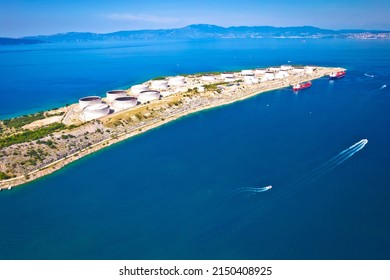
(145, 18)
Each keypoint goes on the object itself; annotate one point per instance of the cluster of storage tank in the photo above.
(93, 107)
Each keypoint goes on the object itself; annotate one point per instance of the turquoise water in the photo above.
(178, 192)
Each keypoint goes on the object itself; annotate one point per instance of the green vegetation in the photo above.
(4, 176)
(159, 78)
(67, 136)
(30, 135)
(23, 120)
(48, 143)
(55, 114)
(213, 87)
(35, 155)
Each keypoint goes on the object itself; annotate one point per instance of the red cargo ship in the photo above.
(301, 86)
(337, 75)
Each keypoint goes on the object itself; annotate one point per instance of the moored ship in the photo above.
(302, 86)
(337, 75)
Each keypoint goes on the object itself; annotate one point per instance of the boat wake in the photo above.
(252, 190)
(382, 87)
(318, 172)
(369, 75)
(335, 161)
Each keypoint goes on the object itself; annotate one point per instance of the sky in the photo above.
(41, 17)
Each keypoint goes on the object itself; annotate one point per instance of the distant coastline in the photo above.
(205, 31)
(58, 137)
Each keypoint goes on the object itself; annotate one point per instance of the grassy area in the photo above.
(213, 87)
(30, 135)
(4, 176)
(55, 114)
(23, 120)
(159, 78)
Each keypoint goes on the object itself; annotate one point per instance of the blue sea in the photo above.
(194, 188)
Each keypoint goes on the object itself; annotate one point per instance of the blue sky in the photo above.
(33, 17)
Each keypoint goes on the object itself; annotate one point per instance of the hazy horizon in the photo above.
(19, 18)
(142, 29)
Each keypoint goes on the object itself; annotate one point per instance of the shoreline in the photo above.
(62, 162)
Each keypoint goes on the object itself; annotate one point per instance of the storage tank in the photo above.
(269, 75)
(136, 89)
(89, 100)
(159, 85)
(176, 81)
(260, 71)
(285, 67)
(284, 73)
(208, 78)
(95, 111)
(148, 95)
(114, 94)
(247, 73)
(298, 70)
(251, 80)
(279, 75)
(125, 102)
(227, 75)
(229, 80)
(274, 69)
(310, 69)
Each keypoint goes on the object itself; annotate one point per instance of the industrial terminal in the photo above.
(95, 107)
(71, 132)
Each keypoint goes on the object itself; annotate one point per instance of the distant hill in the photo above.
(11, 41)
(205, 31)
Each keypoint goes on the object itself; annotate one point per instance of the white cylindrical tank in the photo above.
(263, 79)
(285, 67)
(274, 69)
(113, 94)
(122, 103)
(260, 71)
(136, 89)
(159, 85)
(269, 75)
(176, 81)
(230, 80)
(310, 69)
(148, 95)
(247, 73)
(284, 73)
(251, 80)
(279, 75)
(89, 100)
(208, 78)
(95, 111)
(227, 76)
(298, 70)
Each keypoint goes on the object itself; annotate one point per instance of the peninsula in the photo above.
(36, 145)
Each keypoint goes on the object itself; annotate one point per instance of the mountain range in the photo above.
(204, 31)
